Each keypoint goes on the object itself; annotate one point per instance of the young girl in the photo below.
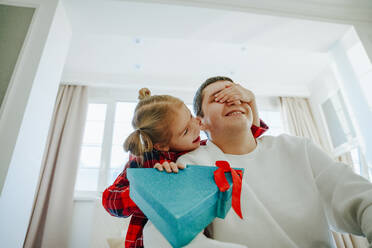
(164, 129)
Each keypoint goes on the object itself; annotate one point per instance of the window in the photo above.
(122, 129)
(274, 120)
(338, 121)
(360, 165)
(91, 149)
(342, 134)
(102, 156)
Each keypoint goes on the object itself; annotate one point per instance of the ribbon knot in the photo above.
(223, 184)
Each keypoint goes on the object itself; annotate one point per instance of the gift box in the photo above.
(181, 204)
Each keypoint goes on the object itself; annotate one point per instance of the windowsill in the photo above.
(87, 196)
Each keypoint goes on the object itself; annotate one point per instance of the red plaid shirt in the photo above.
(116, 200)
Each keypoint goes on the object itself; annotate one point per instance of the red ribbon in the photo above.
(223, 184)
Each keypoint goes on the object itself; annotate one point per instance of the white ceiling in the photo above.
(128, 44)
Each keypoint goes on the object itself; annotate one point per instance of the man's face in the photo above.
(220, 117)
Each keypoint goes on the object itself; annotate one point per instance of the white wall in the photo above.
(92, 226)
(342, 76)
(82, 224)
(364, 33)
(351, 88)
(323, 87)
(26, 115)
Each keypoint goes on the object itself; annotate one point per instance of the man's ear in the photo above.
(201, 123)
(161, 147)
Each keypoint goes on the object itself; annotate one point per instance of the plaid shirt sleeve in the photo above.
(115, 199)
(258, 131)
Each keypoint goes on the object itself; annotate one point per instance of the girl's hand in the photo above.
(169, 166)
(235, 94)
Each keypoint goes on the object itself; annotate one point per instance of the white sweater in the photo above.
(292, 193)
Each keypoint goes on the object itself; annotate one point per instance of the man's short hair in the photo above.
(198, 98)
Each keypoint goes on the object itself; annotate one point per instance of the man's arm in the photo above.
(347, 197)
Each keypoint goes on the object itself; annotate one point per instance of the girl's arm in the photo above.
(257, 131)
(115, 199)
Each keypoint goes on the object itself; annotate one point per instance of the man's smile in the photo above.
(235, 112)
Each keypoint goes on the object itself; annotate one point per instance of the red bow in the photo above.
(223, 184)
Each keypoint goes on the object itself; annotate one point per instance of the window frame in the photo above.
(351, 143)
(103, 169)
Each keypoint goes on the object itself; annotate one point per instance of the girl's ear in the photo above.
(201, 123)
(161, 147)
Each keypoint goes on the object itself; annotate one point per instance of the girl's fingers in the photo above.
(181, 166)
(225, 96)
(158, 166)
(227, 87)
(233, 98)
(174, 167)
(223, 99)
(167, 167)
(222, 93)
(236, 102)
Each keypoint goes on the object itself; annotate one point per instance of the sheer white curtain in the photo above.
(52, 213)
(299, 121)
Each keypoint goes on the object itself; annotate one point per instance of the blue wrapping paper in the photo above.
(181, 204)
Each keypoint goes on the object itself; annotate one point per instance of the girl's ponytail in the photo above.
(138, 142)
(144, 93)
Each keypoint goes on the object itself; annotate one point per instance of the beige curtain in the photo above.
(299, 121)
(52, 212)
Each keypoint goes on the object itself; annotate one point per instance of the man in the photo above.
(292, 191)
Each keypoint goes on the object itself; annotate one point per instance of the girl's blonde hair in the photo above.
(151, 121)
